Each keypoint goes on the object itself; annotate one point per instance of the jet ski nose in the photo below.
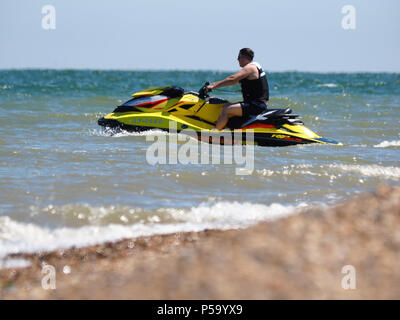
(102, 122)
(111, 123)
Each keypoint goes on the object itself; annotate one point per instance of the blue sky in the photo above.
(201, 35)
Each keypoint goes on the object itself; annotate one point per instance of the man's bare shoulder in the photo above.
(251, 70)
(250, 66)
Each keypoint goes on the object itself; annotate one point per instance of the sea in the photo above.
(65, 181)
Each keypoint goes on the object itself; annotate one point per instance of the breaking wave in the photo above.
(17, 237)
(386, 144)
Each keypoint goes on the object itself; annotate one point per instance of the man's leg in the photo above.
(228, 111)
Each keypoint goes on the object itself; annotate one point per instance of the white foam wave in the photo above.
(235, 214)
(17, 237)
(289, 170)
(329, 85)
(107, 132)
(331, 170)
(385, 144)
(14, 263)
(370, 170)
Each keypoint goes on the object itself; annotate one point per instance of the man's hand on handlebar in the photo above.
(210, 87)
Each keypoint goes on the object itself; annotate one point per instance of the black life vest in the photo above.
(256, 89)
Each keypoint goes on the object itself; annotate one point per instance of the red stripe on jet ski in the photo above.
(258, 125)
(159, 102)
(294, 139)
(151, 103)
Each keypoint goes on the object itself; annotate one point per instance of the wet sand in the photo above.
(297, 257)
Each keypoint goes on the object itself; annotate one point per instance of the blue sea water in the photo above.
(65, 181)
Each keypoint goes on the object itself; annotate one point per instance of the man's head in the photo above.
(245, 56)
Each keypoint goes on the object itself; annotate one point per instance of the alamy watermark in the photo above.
(349, 280)
(49, 277)
(49, 17)
(196, 148)
(349, 20)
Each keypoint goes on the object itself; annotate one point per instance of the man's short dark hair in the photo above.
(247, 52)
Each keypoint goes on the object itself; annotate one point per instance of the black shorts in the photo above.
(252, 108)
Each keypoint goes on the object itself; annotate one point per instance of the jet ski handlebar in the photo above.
(203, 92)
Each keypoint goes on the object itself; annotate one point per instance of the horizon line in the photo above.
(183, 70)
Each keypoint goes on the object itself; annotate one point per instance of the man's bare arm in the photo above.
(231, 80)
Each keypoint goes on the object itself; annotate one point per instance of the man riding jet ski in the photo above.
(172, 109)
(254, 89)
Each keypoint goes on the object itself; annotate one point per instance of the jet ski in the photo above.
(171, 107)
